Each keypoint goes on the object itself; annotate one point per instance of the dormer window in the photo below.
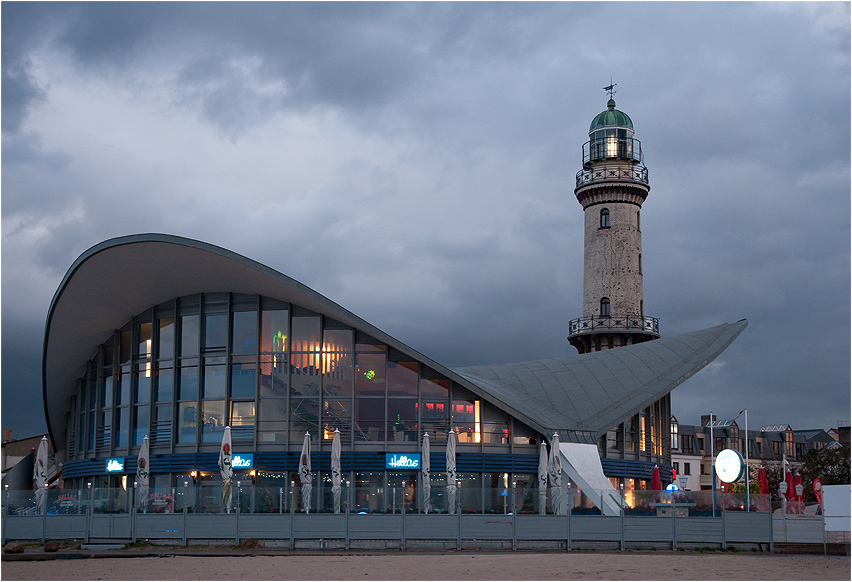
(605, 307)
(605, 218)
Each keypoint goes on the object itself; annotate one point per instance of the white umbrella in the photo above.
(142, 474)
(40, 476)
(451, 472)
(225, 469)
(555, 476)
(542, 478)
(305, 472)
(425, 467)
(335, 469)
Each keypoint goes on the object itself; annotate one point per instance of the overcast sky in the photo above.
(415, 163)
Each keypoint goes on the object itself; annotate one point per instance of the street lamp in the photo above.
(782, 488)
(799, 489)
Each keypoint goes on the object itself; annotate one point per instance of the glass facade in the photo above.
(183, 370)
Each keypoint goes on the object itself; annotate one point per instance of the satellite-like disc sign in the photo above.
(730, 466)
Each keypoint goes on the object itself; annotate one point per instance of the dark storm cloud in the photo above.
(415, 163)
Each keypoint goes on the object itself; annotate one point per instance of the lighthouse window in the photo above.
(605, 218)
(605, 307)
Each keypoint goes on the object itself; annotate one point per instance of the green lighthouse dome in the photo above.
(612, 117)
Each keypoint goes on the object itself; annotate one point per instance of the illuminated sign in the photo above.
(730, 466)
(402, 460)
(115, 466)
(242, 461)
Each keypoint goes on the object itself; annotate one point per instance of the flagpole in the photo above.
(746, 452)
(712, 464)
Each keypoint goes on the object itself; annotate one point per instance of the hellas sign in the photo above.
(402, 460)
(242, 461)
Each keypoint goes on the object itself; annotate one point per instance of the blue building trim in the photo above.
(356, 461)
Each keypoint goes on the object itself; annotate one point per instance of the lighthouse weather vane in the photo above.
(610, 88)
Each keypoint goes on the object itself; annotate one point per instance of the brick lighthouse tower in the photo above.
(611, 187)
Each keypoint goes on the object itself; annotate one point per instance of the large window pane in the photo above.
(187, 421)
(164, 388)
(189, 335)
(213, 421)
(140, 424)
(306, 334)
(166, 348)
(275, 330)
(337, 340)
(215, 381)
(402, 379)
(338, 374)
(143, 384)
(162, 432)
(145, 337)
(466, 421)
(435, 419)
(434, 388)
(304, 417)
(272, 425)
(215, 331)
(106, 390)
(242, 420)
(274, 378)
(244, 336)
(370, 374)
(188, 383)
(122, 426)
(305, 379)
(122, 392)
(337, 414)
(369, 419)
(402, 419)
(243, 380)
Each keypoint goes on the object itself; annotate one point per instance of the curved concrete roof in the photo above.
(594, 392)
(119, 278)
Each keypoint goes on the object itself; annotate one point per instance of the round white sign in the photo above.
(730, 466)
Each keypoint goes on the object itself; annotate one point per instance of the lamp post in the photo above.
(712, 463)
(746, 454)
(799, 505)
(782, 488)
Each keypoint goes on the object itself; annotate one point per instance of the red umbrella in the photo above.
(656, 485)
(763, 485)
(762, 481)
(791, 491)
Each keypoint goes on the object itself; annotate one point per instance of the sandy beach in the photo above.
(443, 566)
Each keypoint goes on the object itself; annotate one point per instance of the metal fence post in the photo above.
(292, 518)
(402, 535)
(724, 531)
(674, 527)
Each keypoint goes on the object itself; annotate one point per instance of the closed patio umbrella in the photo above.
(451, 472)
(542, 478)
(555, 467)
(142, 474)
(656, 484)
(226, 470)
(335, 469)
(305, 472)
(790, 495)
(40, 476)
(800, 503)
(425, 467)
(763, 484)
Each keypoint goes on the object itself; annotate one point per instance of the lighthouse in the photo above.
(611, 188)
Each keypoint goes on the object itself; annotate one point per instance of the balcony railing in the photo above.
(606, 173)
(629, 323)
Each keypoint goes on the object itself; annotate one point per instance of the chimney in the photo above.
(7, 434)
